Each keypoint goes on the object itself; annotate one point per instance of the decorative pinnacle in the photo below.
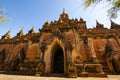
(97, 23)
(64, 11)
(8, 33)
(81, 19)
(33, 27)
(22, 29)
(113, 23)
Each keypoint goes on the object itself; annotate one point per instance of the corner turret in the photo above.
(7, 35)
(114, 25)
(31, 31)
(98, 25)
(21, 33)
(81, 20)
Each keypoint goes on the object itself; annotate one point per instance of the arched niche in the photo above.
(55, 50)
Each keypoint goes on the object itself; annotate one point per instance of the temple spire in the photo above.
(21, 33)
(64, 16)
(81, 19)
(114, 25)
(7, 35)
(31, 31)
(64, 11)
(98, 25)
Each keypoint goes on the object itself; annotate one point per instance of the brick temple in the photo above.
(66, 47)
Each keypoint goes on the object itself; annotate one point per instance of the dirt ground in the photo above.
(20, 77)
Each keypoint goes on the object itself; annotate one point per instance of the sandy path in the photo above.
(19, 77)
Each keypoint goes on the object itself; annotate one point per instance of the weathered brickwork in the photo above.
(65, 46)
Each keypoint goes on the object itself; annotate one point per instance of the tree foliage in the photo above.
(113, 11)
(3, 17)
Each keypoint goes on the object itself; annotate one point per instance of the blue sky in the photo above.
(26, 13)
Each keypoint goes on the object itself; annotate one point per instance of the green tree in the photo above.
(3, 17)
(114, 5)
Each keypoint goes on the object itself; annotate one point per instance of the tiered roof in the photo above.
(63, 24)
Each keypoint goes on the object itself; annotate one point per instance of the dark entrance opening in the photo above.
(58, 63)
(18, 60)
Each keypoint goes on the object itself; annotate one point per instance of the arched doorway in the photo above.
(58, 60)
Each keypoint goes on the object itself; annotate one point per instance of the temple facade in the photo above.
(65, 46)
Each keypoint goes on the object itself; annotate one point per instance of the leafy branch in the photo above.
(3, 17)
(113, 11)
